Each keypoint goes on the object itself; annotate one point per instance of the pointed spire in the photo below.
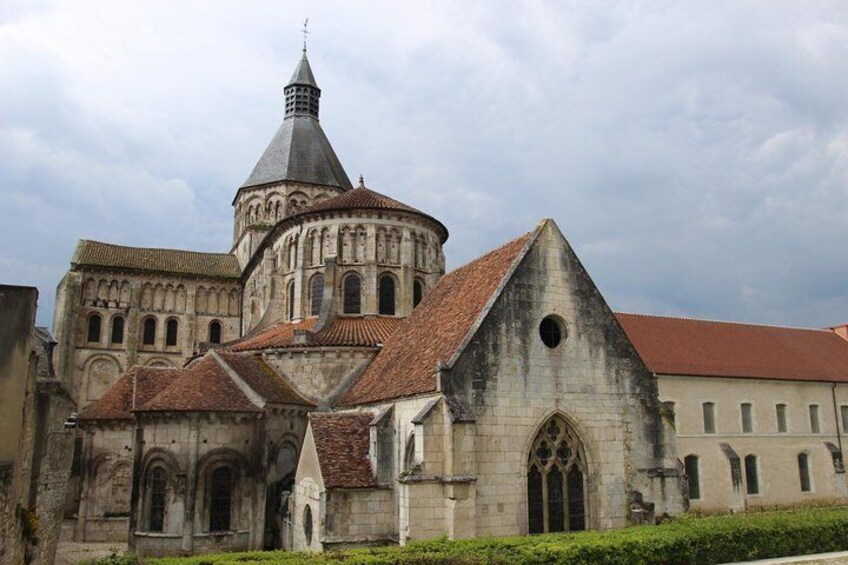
(302, 93)
(303, 74)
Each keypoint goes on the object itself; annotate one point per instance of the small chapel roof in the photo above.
(684, 346)
(153, 260)
(437, 328)
(341, 442)
(208, 385)
(134, 388)
(368, 331)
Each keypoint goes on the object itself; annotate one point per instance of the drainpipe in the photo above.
(836, 417)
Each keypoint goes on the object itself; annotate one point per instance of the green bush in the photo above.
(685, 540)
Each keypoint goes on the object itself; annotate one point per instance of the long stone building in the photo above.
(326, 384)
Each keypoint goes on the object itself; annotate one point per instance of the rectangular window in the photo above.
(804, 472)
(781, 418)
(844, 410)
(747, 418)
(815, 428)
(752, 482)
(709, 417)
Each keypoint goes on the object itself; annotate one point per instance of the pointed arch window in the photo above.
(171, 331)
(158, 485)
(215, 332)
(556, 480)
(221, 499)
(352, 294)
(94, 323)
(316, 291)
(149, 331)
(118, 329)
(387, 295)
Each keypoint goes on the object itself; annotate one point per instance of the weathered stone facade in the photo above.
(35, 457)
(326, 384)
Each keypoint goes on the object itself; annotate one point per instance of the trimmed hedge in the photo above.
(685, 540)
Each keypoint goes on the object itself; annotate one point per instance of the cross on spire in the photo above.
(305, 31)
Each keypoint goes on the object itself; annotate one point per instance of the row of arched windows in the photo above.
(691, 464)
(148, 330)
(220, 486)
(352, 294)
(95, 323)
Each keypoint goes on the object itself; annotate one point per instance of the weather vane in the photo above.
(305, 31)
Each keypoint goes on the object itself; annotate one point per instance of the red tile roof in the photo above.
(680, 346)
(352, 332)
(436, 328)
(98, 254)
(118, 402)
(203, 386)
(263, 379)
(341, 441)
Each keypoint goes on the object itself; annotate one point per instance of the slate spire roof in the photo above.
(300, 150)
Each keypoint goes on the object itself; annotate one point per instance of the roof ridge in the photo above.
(728, 322)
(98, 242)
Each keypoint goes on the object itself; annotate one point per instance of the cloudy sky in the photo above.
(694, 153)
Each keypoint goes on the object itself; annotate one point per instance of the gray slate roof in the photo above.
(300, 151)
(303, 74)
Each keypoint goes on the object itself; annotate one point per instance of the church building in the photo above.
(326, 384)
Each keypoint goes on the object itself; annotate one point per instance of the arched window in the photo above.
(220, 499)
(352, 294)
(118, 329)
(417, 292)
(804, 472)
(171, 329)
(387, 295)
(693, 477)
(94, 328)
(149, 333)
(290, 295)
(316, 291)
(215, 332)
(752, 482)
(556, 474)
(157, 485)
(307, 524)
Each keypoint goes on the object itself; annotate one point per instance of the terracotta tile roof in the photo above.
(203, 386)
(436, 328)
(98, 254)
(353, 332)
(263, 379)
(341, 441)
(118, 402)
(680, 346)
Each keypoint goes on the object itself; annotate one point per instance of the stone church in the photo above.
(325, 384)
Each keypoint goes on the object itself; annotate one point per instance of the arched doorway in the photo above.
(556, 480)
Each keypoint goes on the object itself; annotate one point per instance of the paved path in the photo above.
(838, 558)
(71, 552)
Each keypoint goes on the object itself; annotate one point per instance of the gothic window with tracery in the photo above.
(556, 474)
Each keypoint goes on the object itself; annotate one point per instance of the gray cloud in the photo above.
(695, 154)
